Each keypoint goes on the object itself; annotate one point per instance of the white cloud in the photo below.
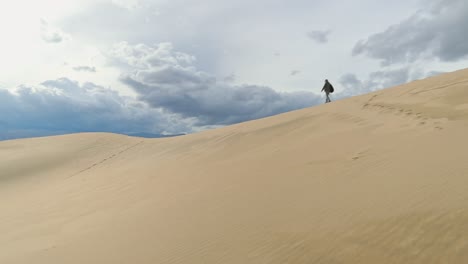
(84, 69)
(50, 34)
(129, 4)
(242, 36)
(143, 56)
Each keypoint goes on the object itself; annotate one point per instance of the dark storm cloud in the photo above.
(65, 106)
(175, 85)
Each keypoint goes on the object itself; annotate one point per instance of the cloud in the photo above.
(129, 4)
(168, 80)
(437, 31)
(350, 81)
(295, 72)
(64, 106)
(319, 36)
(84, 69)
(142, 56)
(50, 34)
(213, 30)
(352, 85)
(230, 78)
(434, 73)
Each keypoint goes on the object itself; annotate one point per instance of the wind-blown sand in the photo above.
(379, 178)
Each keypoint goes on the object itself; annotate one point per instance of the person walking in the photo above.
(328, 88)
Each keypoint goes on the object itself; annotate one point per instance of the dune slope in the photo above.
(378, 178)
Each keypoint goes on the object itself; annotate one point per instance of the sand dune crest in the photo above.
(378, 178)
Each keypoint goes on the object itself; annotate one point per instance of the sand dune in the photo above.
(378, 178)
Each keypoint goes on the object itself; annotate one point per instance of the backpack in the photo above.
(331, 89)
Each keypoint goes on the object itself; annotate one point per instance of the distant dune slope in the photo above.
(378, 178)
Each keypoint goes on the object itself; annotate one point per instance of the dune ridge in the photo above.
(377, 178)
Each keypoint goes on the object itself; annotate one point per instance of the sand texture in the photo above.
(379, 178)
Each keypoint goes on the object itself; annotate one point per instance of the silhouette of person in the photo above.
(328, 88)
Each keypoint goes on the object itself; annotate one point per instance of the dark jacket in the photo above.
(328, 88)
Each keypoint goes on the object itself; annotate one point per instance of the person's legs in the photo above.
(328, 98)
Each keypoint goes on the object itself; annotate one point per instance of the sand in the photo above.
(378, 178)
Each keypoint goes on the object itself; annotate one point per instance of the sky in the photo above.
(183, 66)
